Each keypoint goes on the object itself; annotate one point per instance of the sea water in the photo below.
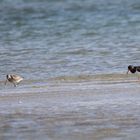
(41, 39)
(73, 55)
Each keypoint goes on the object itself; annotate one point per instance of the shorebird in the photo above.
(12, 78)
(133, 69)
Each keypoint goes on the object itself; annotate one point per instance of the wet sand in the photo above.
(97, 108)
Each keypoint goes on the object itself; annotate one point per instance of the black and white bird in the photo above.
(133, 69)
(12, 78)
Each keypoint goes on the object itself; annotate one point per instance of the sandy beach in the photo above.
(97, 107)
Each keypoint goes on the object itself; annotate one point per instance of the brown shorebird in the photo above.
(133, 69)
(12, 78)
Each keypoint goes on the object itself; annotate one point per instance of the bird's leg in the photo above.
(127, 72)
(15, 85)
(5, 82)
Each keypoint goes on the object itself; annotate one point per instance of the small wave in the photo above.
(79, 51)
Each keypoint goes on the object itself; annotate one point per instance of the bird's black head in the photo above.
(8, 76)
(132, 69)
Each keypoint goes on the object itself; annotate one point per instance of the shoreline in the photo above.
(64, 109)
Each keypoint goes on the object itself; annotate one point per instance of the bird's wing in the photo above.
(16, 77)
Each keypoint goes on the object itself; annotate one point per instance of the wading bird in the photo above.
(133, 69)
(12, 78)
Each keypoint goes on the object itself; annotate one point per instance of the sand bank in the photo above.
(95, 108)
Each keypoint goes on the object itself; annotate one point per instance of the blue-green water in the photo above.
(73, 55)
(51, 38)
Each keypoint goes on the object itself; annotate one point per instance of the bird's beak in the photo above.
(127, 72)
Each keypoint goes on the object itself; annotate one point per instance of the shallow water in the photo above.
(103, 107)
